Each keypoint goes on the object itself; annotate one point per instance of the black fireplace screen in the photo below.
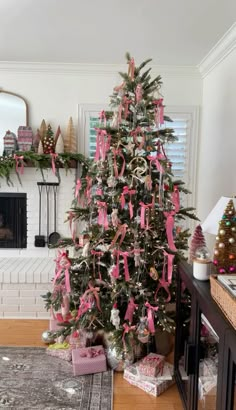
(13, 220)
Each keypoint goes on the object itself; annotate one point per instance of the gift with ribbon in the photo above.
(88, 360)
(151, 365)
(60, 350)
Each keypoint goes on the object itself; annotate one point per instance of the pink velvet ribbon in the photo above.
(116, 270)
(62, 265)
(98, 254)
(150, 311)
(102, 214)
(127, 329)
(88, 189)
(136, 134)
(169, 229)
(130, 192)
(131, 69)
(130, 310)
(94, 291)
(138, 93)
(121, 232)
(102, 144)
(83, 307)
(19, 160)
(159, 111)
(126, 103)
(118, 153)
(155, 160)
(90, 352)
(164, 282)
(102, 118)
(145, 207)
(53, 157)
(175, 198)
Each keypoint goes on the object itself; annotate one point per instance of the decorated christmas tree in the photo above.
(197, 241)
(225, 246)
(123, 274)
(48, 141)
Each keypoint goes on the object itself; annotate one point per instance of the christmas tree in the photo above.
(48, 141)
(225, 246)
(123, 276)
(197, 241)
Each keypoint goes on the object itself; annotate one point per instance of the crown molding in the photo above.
(219, 52)
(90, 69)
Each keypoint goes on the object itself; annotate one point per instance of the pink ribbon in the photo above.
(121, 232)
(138, 93)
(102, 214)
(145, 207)
(88, 189)
(150, 311)
(155, 160)
(98, 254)
(102, 144)
(159, 111)
(83, 307)
(102, 117)
(175, 198)
(169, 229)
(53, 156)
(165, 282)
(131, 68)
(136, 253)
(127, 329)
(130, 310)
(118, 152)
(126, 103)
(90, 352)
(99, 192)
(138, 133)
(19, 159)
(116, 269)
(65, 306)
(94, 291)
(62, 265)
(130, 192)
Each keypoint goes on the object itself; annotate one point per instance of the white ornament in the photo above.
(115, 318)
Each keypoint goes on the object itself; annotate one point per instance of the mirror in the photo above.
(13, 113)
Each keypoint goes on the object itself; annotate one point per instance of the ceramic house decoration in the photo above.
(25, 138)
(10, 143)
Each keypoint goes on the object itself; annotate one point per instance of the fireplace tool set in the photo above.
(51, 239)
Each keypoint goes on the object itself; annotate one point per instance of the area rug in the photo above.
(30, 379)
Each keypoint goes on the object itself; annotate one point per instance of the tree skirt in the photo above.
(30, 379)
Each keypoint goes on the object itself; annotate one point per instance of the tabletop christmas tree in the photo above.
(124, 273)
(197, 241)
(225, 246)
(48, 141)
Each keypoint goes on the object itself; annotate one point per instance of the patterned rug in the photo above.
(30, 379)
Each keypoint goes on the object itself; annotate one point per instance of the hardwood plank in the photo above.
(25, 332)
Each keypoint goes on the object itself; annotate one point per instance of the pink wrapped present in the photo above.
(151, 365)
(155, 387)
(61, 352)
(88, 360)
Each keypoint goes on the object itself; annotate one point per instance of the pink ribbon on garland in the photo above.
(94, 291)
(62, 265)
(165, 282)
(150, 312)
(53, 157)
(169, 229)
(130, 310)
(19, 159)
(118, 153)
(130, 192)
(98, 254)
(102, 214)
(144, 208)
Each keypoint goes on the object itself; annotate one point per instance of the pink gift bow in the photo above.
(118, 153)
(88, 189)
(91, 352)
(53, 156)
(163, 283)
(18, 158)
(150, 310)
(63, 264)
(130, 192)
(154, 362)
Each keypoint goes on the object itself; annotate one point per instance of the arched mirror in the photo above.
(13, 113)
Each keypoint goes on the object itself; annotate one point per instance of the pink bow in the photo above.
(19, 158)
(130, 192)
(102, 214)
(159, 111)
(121, 232)
(145, 207)
(98, 254)
(118, 153)
(53, 156)
(169, 229)
(136, 134)
(130, 310)
(102, 144)
(150, 311)
(90, 352)
(155, 160)
(62, 265)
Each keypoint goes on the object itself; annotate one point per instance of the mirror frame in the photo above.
(23, 99)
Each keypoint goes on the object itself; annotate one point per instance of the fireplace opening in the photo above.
(13, 226)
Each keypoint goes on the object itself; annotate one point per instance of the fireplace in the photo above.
(13, 227)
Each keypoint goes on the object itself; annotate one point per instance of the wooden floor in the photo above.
(126, 397)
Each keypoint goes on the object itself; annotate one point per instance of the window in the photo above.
(182, 153)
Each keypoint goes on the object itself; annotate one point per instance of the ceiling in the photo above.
(172, 32)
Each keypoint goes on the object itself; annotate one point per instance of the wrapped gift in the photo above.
(88, 360)
(151, 365)
(60, 350)
(155, 387)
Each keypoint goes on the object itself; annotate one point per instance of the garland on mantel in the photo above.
(16, 162)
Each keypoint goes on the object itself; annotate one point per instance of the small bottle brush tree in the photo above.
(197, 241)
(123, 277)
(225, 246)
(48, 141)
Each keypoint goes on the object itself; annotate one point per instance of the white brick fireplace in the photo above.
(25, 274)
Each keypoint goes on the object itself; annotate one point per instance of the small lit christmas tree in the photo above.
(48, 141)
(197, 241)
(225, 246)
